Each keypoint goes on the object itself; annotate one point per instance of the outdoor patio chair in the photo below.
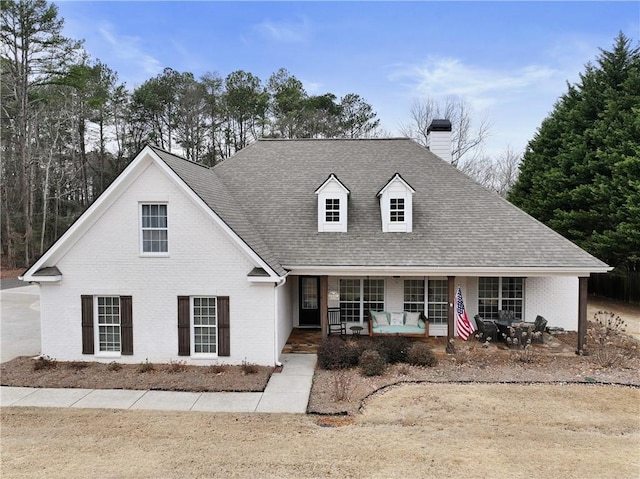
(539, 326)
(335, 322)
(505, 315)
(486, 329)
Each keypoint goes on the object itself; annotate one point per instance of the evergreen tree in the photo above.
(581, 172)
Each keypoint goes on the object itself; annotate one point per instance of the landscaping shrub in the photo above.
(372, 363)
(45, 362)
(177, 366)
(607, 344)
(393, 349)
(420, 354)
(217, 368)
(336, 353)
(343, 386)
(77, 365)
(146, 367)
(249, 368)
(114, 366)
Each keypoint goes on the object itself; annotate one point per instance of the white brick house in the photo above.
(179, 261)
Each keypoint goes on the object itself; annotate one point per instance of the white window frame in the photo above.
(98, 324)
(421, 305)
(396, 211)
(330, 210)
(332, 189)
(148, 228)
(444, 302)
(501, 297)
(361, 302)
(193, 326)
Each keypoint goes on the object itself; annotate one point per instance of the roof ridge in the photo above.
(157, 149)
(395, 138)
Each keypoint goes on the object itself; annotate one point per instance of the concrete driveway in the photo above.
(19, 322)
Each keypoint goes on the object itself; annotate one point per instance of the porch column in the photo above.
(582, 314)
(324, 288)
(450, 314)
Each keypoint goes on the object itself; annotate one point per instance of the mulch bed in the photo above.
(165, 377)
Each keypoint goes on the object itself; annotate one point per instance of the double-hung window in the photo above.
(396, 210)
(154, 228)
(359, 296)
(108, 314)
(205, 325)
(496, 294)
(332, 210)
(414, 295)
(437, 301)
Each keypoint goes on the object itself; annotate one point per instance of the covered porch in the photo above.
(560, 299)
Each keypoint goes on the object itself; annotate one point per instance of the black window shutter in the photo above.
(184, 331)
(87, 324)
(126, 325)
(224, 337)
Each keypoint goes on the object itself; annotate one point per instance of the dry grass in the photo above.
(434, 431)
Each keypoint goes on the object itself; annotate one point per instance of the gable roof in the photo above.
(457, 224)
(396, 177)
(265, 196)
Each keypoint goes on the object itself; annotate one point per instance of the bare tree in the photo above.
(498, 174)
(466, 140)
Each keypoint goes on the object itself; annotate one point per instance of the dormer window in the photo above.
(396, 210)
(332, 205)
(332, 210)
(396, 205)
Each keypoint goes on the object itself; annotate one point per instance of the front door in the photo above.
(309, 301)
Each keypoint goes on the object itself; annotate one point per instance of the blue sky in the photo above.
(510, 61)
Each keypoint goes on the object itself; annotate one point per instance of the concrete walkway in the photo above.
(286, 392)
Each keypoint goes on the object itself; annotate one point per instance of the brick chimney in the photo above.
(439, 139)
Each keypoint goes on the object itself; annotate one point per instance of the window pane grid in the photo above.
(109, 323)
(396, 209)
(437, 301)
(350, 300)
(332, 210)
(495, 294)
(154, 229)
(358, 295)
(414, 295)
(205, 322)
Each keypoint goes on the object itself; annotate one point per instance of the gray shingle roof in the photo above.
(265, 193)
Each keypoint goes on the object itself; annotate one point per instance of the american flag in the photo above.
(465, 328)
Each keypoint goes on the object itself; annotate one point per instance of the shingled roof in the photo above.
(265, 193)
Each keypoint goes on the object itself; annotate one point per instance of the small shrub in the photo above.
(77, 365)
(394, 349)
(420, 354)
(526, 355)
(114, 366)
(336, 353)
(372, 363)
(217, 368)
(342, 382)
(468, 353)
(177, 366)
(44, 363)
(146, 366)
(249, 368)
(608, 346)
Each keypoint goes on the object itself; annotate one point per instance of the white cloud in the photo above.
(285, 32)
(440, 77)
(128, 51)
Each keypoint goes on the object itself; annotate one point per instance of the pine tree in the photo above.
(581, 172)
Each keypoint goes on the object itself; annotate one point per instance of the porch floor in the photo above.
(308, 340)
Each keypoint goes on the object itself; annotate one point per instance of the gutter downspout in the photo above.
(276, 353)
